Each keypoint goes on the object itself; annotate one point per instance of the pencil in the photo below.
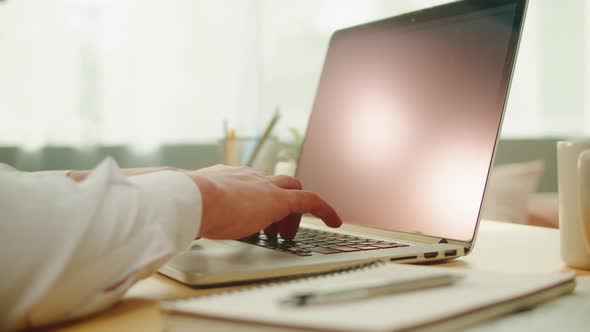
(264, 137)
(230, 148)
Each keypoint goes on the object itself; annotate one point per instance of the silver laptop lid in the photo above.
(407, 114)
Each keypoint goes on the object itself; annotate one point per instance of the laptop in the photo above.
(400, 142)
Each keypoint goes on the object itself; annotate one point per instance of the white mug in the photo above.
(573, 175)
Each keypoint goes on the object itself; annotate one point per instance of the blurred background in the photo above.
(151, 82)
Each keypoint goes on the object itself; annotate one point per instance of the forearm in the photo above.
(91, 240)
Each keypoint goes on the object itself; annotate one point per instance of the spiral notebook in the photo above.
(477, 296)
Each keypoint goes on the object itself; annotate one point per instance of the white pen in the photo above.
(363, 292)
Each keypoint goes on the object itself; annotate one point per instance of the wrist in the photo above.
(77, 176)
(210, 193)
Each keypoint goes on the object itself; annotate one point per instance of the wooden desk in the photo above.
(499, 247)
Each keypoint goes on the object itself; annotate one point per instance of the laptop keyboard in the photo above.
(308, 241)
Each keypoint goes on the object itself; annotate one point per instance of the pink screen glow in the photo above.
(405, 121)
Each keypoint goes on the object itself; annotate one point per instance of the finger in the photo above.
(289, 225)
(302, 201)
(286, 182)
(272, 230)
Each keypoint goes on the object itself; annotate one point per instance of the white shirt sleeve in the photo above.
(69, 249)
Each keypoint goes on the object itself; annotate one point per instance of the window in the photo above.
(145, 73)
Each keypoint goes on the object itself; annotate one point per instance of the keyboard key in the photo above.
(386, 245)
(345, 248)
(322, 250)
(365, 247)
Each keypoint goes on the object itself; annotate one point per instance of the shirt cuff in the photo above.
(8, 168)
(175, 201)
(58, 173)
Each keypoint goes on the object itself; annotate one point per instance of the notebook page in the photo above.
(476, 289)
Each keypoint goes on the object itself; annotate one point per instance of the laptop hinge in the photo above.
(443, 241)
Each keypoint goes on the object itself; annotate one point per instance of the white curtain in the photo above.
(130, 72)
(147, 72)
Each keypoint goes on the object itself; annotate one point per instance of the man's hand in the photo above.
(238, 202)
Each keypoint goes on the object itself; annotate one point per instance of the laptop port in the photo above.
(430, 255)
(402, 258)
(450, 253)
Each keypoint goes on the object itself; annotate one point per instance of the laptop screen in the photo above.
(406, 116)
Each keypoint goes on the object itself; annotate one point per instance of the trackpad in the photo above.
(213, 247)
(208, 255)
